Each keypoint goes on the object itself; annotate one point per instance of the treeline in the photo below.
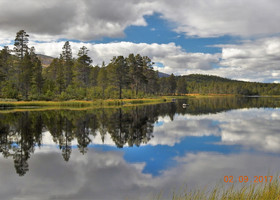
(22, 77)
(208, 84)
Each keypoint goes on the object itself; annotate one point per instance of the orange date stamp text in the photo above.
(247, 179)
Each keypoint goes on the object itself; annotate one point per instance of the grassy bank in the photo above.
(247, 191)
(80, 104)
(210, 95)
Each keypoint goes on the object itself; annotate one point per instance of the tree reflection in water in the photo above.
(21, 132)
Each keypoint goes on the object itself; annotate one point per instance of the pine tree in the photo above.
(136, 76)
(82, 68)
(102, 80)
(4, 67)
(67, 59)
(118, 73)
(37, 78)
(25, 77)
(20, 44)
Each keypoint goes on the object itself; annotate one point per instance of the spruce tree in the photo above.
(20, 44)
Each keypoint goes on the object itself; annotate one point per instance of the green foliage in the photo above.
(102, 80)
(9, 90)
(21, 41)
(118, 73)
(82, 68)
(181, 86)
(205, 84)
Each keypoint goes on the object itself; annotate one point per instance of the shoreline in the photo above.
(10, 104)
(78, 104)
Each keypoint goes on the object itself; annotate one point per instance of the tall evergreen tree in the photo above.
(67, 52)
(118, 73)
(37, 78)
(82, 67)
(24, 65)
(4, 66)
(4, 63)
(68, 63)
(136, 73)
(25, 77)
(21, 41)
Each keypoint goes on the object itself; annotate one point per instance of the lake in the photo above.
(137, 152)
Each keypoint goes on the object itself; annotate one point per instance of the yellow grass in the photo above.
(247, 191)
(76, 105)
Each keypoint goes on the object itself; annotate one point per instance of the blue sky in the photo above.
(160, 31)
(233, 39)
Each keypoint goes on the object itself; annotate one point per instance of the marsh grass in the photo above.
(256, 191)
(78, 104)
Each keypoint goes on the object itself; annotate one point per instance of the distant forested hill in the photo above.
(205, 78)
(206, 84)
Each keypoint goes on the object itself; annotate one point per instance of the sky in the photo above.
(234, 39)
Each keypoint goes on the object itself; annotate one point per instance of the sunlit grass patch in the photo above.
(79, 103)
(246, 191)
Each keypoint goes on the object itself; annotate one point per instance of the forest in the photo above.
(23, 77)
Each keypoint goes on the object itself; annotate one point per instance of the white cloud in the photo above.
(205, 18)
(174, 58)
(82, 20)
(107, 175)
(250, 128)
(88, 20)
(258, 60)
(172, 132)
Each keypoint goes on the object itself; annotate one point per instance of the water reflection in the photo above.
(179, 144)
(22, 131)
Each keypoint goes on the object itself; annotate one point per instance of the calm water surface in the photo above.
(137, 152)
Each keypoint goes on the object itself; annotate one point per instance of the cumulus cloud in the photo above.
(203, 18)
(88, 20)
(107, 175)
(250, 128)
(258, 60)
(172, 132)
(82, 20)
(173, 57)
(253, 129)
(251, 60)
